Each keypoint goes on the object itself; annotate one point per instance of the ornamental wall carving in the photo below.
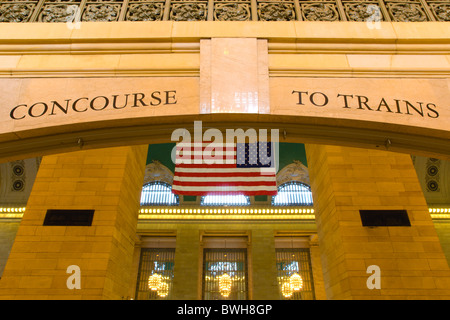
(218, 10)
(296, 171)
(156, 171)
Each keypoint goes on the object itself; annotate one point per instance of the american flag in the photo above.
(225, 169)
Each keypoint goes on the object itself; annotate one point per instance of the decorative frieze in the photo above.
(15, 12)
(366, 11)
(58, 13)
(192, 11)
(232, 12)
(224, 10)
(145, 12)
(406, 12)
(441, 11)
(320, 11)
(280, 11)
(101, 12)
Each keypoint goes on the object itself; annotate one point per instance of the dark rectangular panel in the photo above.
(384, 218)
(68, 217)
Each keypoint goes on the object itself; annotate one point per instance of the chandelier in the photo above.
(296, 282)
(293, 283)
(225, 285)
(163, 290)
(286, 290)
(158, 283)
(154, 282)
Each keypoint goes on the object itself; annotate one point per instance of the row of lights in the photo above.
(439, 210)
(170, 210)
(244, 211)
(12, 210)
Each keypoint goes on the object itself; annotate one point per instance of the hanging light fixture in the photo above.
(163, 290)
(286, 290)
(154, 282)
(296, 282)
(225, 278)
(225, 284)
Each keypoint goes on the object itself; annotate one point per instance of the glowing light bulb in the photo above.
(225, 284)
(286, 290)
(163, 290)
(154, 281)
(296, 282)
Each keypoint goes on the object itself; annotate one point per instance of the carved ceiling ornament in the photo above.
(101, 12)
(58, 13)
(156, 171)
(188, 12)
(232, 12)
(296, 171)
(224, 10)
(407, 12)
(441, 10)
(320, 12)
(145, 12)
(15, 12)
(18, 176)
(432, 177)
(362, 12)
(276, 12)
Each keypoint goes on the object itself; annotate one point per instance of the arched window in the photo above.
(293, 193)
(225, 200)
(158, 193)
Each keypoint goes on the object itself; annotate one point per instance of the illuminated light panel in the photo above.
(225, 200)
(158, 193)
(145, 213)
(293, 193)
(439, 213)
(12, 209)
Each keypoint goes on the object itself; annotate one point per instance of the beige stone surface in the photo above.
(234, 75)
(187, 265)
(321, 29)
(416, 91)
(411, 260)
(31, 91)
(264, 270)
(208, 29)
(39, 258)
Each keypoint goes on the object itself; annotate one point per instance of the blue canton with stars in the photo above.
(248, 155)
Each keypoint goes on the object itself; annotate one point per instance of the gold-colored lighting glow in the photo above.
(225, 284)
(154, 282)
(286, 290)
(163, 290)
(296, 282)
(17, 212)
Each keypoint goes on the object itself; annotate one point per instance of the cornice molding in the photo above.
(25, 49)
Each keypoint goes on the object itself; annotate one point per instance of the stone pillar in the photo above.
(411, 261)
(108, 181)
(187, 267)
(263, 266)
(316, 265)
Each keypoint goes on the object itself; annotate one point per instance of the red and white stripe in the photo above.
(199, 171)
